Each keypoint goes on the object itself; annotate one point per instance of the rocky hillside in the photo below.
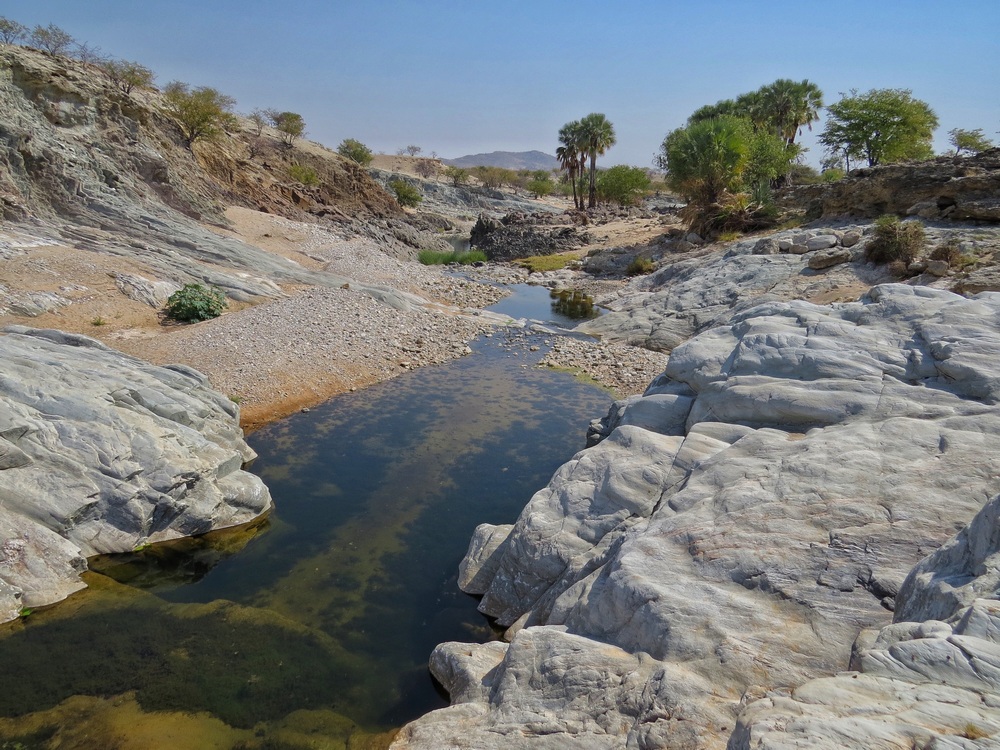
(92, 168)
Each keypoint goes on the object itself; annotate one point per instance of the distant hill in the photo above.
(507, 160)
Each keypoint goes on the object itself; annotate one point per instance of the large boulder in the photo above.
(691, 563)
(100, 453)
(519, 235)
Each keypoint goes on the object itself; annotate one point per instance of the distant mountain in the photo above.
(507, 160)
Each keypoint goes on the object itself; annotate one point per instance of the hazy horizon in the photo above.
(459, 78)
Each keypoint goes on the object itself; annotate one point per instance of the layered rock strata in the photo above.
(100, 453)
(734, 530)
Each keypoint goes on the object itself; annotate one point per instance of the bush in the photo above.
(406, 194)
(304, 175)
(438, 258)
(622, 184)
(947, 251)
(895, 241)
(201, 113)
(195, 302)
(640, 267)
(355, 150)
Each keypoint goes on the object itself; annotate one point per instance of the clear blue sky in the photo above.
(466, 76)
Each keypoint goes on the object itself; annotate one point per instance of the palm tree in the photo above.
(568, 155)
(597, 136)
(787, 105)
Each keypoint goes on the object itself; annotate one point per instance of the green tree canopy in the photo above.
(289, 124)
(355, 150)
(201, 113)
(880, 126)
(783, 108)
(127, 75)
(622, 184)
(457, 175)
(972, 141)
(707, 158)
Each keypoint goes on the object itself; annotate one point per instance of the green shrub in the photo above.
(895, 241)
(438, 258)
(406, 194)
(640, 266)
(305, 175)
(195, 302)
(355, 150)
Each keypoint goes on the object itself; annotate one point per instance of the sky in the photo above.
(459, 77)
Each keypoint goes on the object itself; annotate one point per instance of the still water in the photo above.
(315, 626)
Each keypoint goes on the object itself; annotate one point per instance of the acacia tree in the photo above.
(289, 124)
(52, 39)
(355, 150)
(972, 141)
(127, 75)
(201, 113)
(12, 32)
(597, 135)
(881, 126)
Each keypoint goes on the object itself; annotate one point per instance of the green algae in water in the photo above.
(332, 607)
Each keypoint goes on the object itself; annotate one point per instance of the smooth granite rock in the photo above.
(101, 452)
(736, 556)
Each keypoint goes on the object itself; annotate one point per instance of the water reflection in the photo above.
(317, 624)
(573, 304)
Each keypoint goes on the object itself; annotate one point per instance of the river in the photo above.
(316, 625)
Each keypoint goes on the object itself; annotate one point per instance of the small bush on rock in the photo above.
(406, 194)
(303, 175)
(947, 251)
(895, 240)
(640, 267)
(195, 302)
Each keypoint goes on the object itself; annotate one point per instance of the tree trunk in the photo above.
(592, 200)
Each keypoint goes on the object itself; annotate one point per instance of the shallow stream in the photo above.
(314, 628)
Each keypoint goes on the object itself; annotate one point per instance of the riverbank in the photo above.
(312, 342)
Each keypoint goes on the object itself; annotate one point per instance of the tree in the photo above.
(289, 124)
(88, 54)
(201, 113)
(52, 39)
(457, 175)
(355, 150)
(622, 184)
(568, 155)
(410, 150)
(12, 32)
(127, 75)
(426, 168)
(258, 120)
(787, 105)
(881, 126)
(597, 135)
(972, 141)
(540, 186)
(706, 159)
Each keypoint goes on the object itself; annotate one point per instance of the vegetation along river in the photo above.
(315, 626)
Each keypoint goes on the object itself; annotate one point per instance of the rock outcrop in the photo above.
(100, 453)
(517, 235)
(931, 679)
(956, 188)
(736, 529)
